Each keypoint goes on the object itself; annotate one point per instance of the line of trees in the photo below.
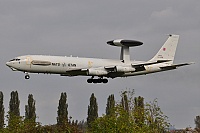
(1, 111)
(130, 114)
(27, 123)
(197, 122)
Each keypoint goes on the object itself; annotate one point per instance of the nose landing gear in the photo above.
(27, 76)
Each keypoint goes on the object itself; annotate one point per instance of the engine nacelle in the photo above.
(95, 72)
(124, 69)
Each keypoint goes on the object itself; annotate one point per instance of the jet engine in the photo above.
(124, 69)
(96, 72)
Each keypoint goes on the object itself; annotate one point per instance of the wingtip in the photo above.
(190, 63)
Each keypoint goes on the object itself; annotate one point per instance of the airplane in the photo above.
(100, 68)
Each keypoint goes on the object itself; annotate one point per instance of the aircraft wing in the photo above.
(174, 66)
(135, 66)
(75, 72)
(149, 63)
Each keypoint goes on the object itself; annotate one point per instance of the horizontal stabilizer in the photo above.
(174, 66)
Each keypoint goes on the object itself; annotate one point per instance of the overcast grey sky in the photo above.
(82, 28)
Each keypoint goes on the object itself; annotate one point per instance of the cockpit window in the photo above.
(15, 59)
(12, 60)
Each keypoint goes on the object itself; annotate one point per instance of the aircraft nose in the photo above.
(8, 64)
(11, 66)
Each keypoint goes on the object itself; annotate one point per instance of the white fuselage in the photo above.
(71, 66)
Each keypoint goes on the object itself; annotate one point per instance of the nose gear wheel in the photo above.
(27, 76)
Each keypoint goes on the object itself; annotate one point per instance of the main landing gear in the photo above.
(99, 80)
(27, 76)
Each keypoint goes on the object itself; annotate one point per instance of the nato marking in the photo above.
(55, 64)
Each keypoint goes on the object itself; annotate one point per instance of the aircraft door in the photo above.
(28, 61)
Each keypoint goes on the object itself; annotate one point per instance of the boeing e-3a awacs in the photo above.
(100, 68)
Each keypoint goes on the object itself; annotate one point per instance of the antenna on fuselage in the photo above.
(124, 44)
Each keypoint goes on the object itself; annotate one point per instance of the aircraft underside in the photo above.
(100, 79)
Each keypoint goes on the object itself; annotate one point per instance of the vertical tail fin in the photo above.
(168, 50)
